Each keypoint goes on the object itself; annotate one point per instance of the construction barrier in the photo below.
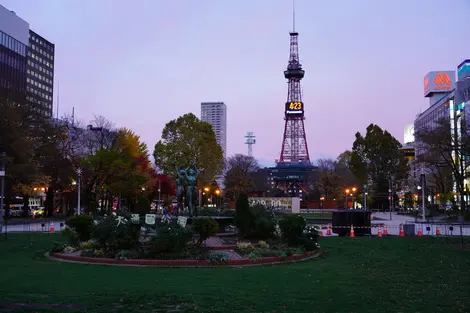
(417, 229)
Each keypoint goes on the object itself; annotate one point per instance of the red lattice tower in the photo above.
(294, 143)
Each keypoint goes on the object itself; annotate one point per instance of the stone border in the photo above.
(184, 263)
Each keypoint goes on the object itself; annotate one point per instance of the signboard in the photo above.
(435, 82)
(182, 221)
(285, 204)
(409, 134)
(150, 219)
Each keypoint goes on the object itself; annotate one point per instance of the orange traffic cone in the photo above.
(328, 230)
(380, 232)
(320, 232)
(51, 229)
(420, 232)
(385, 230)
(402, 231)
(438, 231)
(351, 232)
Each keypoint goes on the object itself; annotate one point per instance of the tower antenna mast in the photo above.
(293, 16)
(250, 141)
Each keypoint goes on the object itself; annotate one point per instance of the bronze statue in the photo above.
(181, 176)
(192, 174)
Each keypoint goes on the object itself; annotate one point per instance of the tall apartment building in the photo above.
(215, 113)
(26, 64)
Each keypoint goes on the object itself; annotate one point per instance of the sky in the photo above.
(143, 63)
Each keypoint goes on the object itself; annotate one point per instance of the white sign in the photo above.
(150, 219)
(285, 204)
(135, 218)
(182, 220)
(409, 134)
(2, 173)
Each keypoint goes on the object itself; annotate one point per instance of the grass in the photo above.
(392, 274)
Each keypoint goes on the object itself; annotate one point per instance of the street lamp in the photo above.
(346, 194)
(217, 192)
(321, 202)
(365, 197)
(79, 174)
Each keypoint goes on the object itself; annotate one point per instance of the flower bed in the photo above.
(185, 263)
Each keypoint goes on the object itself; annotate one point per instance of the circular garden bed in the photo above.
(186, 262)
(123, 239)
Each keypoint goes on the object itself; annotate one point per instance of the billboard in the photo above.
(284, 204)
(439, 81)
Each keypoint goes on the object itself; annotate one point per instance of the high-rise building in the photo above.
(14, 41)
(40, 80)
(215, 113)
(26, 64)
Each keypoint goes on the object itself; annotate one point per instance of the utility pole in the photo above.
(2, 190)
(79, 174)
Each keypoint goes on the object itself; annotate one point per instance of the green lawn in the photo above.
(390, 274)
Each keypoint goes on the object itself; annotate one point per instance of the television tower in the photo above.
(250, 141)
(294, 142)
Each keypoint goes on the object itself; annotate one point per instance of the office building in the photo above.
(40, 80)
(215, 113)
(14, 41)
(26, 64)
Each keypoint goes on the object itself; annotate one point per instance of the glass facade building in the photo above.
(13, 68)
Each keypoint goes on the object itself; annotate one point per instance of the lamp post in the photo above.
(346, 194)
(2, 189)
(217, 192)
(79, 174)
(365, 197)
(321, 202)
(353, 197)
(159, 192)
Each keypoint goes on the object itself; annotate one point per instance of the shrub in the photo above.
(86, 245)
(71, 237)
(116, 233)
(82, 225)
(143, 205)
(205, 228)
(263, 223)
(218, 258)
(171, 238)
(209, 212)
(57, 247)
(292, 227)
(243, 217)
(309, 239)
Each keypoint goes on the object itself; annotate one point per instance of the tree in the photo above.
(343, 168)
(237, 177)
(329, 183)
(187, 141)
(21, 137)
(326, 165)
(375, 159)
(439, 147)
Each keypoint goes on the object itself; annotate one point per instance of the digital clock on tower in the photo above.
(296, 107)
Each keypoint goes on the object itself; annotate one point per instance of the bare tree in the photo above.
(326, 165)
(237, 177)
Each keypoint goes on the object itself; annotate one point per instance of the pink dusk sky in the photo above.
(142, 63)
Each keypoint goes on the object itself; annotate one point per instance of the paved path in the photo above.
(218, 242)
